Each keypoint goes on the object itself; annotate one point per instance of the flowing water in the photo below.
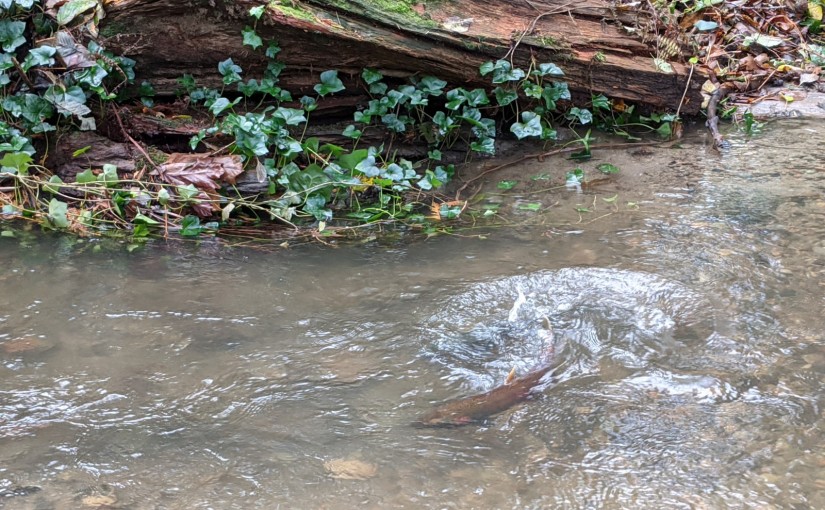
(689, 353)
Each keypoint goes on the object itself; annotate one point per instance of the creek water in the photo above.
(686, 303)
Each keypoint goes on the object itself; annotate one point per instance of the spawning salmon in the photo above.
(478, 407)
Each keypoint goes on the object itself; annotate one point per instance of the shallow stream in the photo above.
(686, 298)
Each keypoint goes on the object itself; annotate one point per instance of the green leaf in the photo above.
(163, 196)
(503, 72)
(52, 187)
(330, 83)
(139, 232)
(190, 226)
(222, 104)
(15, 163)
(582, 115)
(251, 38)
(486, 68)
(290, 116)
(230, 71)
(140, 218)
(257, 12)
(11, 34)
(484, 146)
(73, 8)
(504, 96)
(351, 132)
(188, 192)
(81, 151)
(109, 175)
(40, 56)
(57, 213)
(663, 66)
(272, 49)
(371, 76)
(432, 86)
(607, 168)
(600, 102)
(532, 206)
(766, 41)
(548, 69)
(71, 101)
(85, 177)
(705, 26)
(530, 125)
(575, 176)
(506, 185)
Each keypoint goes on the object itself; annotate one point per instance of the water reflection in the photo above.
(688, 347)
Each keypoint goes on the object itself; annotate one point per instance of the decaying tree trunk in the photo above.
(448, 39)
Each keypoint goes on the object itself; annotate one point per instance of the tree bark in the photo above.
(448, 39)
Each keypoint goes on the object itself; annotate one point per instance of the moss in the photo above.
(397, 10)
(114, 28)
(293, 10)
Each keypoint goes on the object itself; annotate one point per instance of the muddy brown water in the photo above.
(688, 327)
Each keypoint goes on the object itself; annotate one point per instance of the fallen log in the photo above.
(450, 40)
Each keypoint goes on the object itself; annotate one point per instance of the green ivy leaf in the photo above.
(290, 116)
(230, 71)
(506, 185)
(371, 76)
(140, 218)
(432, 86)
(163, 196)
(190, 226)
(330, 83)
(71, 101)
(272, 49)
(504, 96)
(530, 125)
(108, 176)
(251, 38)
(484, 146)
(583, 115)
(57, 213)
(40, 56)
(486, 68)
(53, 185)
(351, 132)
(222, 104)
(11, 34)
(548, 69)
(15, 163)
(85, 177)
(257, 12)
(531, 206)
(73, 8)
(607, 168)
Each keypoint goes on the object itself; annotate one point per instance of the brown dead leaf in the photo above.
(201, 170)
(435, 208)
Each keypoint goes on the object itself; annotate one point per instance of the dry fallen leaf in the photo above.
(202, 171)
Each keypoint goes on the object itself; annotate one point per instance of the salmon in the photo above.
(479, 407)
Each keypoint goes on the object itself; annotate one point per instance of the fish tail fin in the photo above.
(511, 376)
(549, 335)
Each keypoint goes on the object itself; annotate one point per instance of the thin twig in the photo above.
(149, 161)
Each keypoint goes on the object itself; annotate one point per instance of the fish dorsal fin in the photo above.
(511, 376)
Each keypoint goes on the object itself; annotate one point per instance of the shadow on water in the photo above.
(688, 360)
